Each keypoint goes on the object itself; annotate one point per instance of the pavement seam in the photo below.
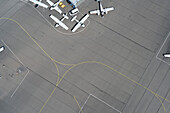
(74, 65)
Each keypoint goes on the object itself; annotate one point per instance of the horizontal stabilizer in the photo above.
(97, 12)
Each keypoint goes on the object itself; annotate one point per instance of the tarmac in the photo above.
(113, 65)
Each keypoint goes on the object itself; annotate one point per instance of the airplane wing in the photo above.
(57, 2)
(109, 9)
(53, 6)
(84, 18)
(97, 12)
(78, 24)
(39, 3)
(59, 22)
(50, 2)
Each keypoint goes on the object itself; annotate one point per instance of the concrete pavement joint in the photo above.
(163, 61)
(85, 103)
(74, 65)
(21, 63)
(19, 84)
(161, 49)
(13, 53)
(168, 108)
(53, 25)
(91, 95)
(161, 103)
(78, 104)
(106, 103)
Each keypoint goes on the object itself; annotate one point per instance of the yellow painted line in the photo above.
(58, 73)
(161, 103)
(54, 61)
(116, 72)
(74, 65)
(78, 104)
(47, 100)
(34, 41)
(65, 74)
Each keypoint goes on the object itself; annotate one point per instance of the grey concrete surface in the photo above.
(127, 40)
(165, 48)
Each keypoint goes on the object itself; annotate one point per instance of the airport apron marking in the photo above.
(55, 62)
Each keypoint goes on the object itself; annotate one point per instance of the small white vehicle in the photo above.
(73, 12)
(2, 48)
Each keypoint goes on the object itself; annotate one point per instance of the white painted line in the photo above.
(99, 100)
(163, 60)
(161, 49)
(84, 103)
(21, 63)
(19, 84)
(163, 44)
(106, 103)
(53, 25)
(12, 53)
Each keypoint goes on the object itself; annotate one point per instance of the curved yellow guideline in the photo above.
(75, 65)
(78, 104)
(161, 102)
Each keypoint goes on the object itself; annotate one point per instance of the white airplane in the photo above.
(166, 55)
(101, 10)
(38, 3)
(54, 5)
(79, 22)
(59, 22)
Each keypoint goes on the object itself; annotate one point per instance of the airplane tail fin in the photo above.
(74, 18)
(65, 16)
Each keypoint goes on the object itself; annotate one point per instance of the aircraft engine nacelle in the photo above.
(56, 25)
(36, 5)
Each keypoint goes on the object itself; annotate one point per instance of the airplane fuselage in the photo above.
(101, 9)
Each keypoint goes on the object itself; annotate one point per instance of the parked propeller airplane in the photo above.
(79, 22)
(39, 3)
(101, 10)
(54, 5)
(60, 22)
